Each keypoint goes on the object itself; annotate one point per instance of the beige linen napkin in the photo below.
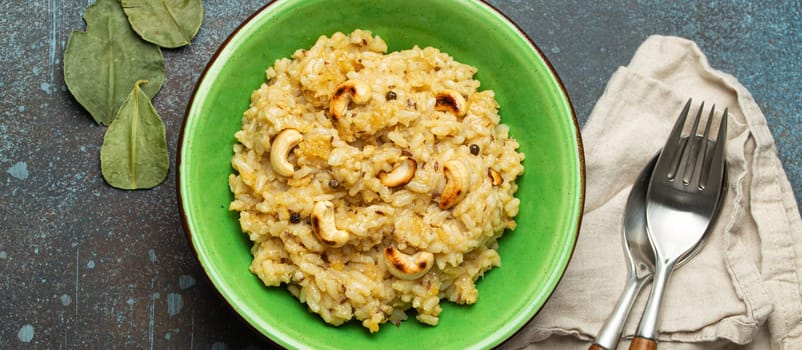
(743, 289)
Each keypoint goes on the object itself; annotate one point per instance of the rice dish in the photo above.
(373, 184)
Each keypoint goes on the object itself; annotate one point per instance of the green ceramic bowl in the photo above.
(533, 103)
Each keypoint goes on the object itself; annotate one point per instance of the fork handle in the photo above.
(640, 343)
(647, 328)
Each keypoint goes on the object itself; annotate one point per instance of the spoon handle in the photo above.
(610, 332)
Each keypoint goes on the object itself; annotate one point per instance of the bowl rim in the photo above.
(188, 234)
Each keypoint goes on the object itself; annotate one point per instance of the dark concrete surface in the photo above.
(83, 265)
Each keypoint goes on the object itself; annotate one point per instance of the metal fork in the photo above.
(683, 198)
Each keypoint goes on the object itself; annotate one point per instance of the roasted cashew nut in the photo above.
(401, 173)
(407, 267)
(458, 180)
(323, 225)
(280, 150)
(450, 101)
(494, 176)
(350, 91)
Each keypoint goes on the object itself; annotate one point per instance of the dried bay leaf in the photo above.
(167, 23)
(102, 63)
(134, 151)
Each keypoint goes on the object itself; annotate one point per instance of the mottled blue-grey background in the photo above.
(83, 265)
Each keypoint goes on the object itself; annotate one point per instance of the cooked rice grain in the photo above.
(339, 160)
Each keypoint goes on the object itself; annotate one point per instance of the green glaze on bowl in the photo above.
(533, 103)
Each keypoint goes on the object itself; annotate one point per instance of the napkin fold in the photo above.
(743, 290)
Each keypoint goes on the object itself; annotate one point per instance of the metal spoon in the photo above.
(640, 260)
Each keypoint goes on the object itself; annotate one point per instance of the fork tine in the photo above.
(710, 121)
(697, 179)
(689, 155)
(717, 162)
(695, 126)
(672, 148)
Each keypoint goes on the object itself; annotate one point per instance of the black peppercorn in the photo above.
(333, 183)
(295, 218)
(474, 149)
(390, 96)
